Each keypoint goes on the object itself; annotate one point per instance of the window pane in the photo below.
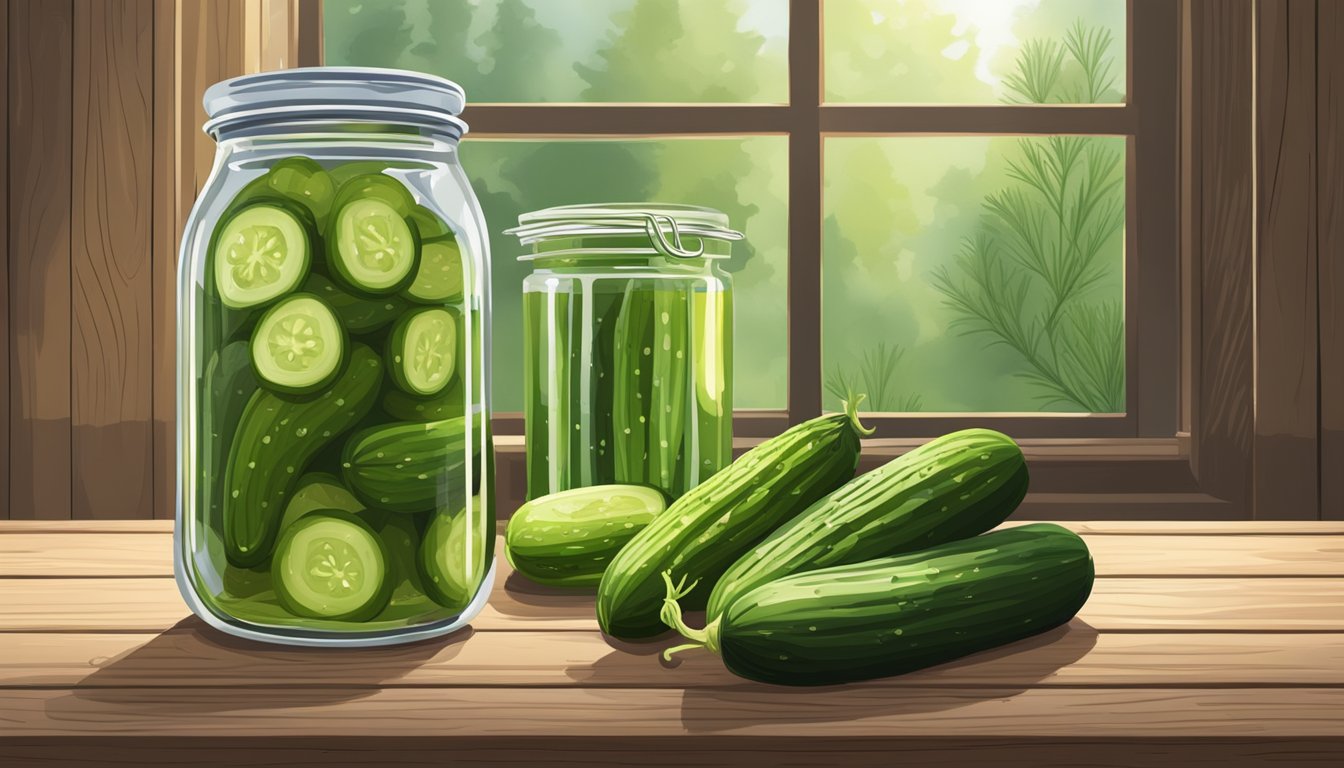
(744, 177)
(975, 274)
(975, 51)
(573, 50)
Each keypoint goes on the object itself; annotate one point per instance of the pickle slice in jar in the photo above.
(298, 345)
(304, 181)
(454, 556)
(422, 351)
(431, 226)
(331, 565)
(371, 247)
(261, 253)
(439, 277)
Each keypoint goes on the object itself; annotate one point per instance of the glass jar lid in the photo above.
(335, 93)
(667, 226)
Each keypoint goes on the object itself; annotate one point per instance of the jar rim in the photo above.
(367, 94)
(663, 223)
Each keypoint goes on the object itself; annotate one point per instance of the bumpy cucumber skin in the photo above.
(714, 524)
(667, 412)
(230, 383)
(632, 385)
(400, 467)
(950, 488)
(448, 578)
(900, 614)
(357, 314)
(277, 438)
(448, 404)
(569, 550)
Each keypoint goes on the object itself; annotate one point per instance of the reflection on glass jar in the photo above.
(628, 320)
(335, 471)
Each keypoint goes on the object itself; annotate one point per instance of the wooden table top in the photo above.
(1202, 644)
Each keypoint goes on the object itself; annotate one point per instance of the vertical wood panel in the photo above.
(4, 263)
(196, 44)
(112, 362)
(166, 234)
(1330, 251)
(805, 184)
(40, 33)
(1221, 237)
(1286, 474)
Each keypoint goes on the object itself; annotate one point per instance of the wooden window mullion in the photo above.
(805, 192)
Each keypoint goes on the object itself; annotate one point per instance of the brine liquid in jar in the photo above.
(628, 346)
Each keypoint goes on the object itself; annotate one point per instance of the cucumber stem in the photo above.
(852, 411)
(671, 616)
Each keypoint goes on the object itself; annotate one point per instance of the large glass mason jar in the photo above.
(335, 470)
(628, 319)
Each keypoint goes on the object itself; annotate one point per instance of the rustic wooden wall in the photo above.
(103, 155)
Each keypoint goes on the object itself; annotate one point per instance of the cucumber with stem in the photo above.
(899, 614)
(715, 523)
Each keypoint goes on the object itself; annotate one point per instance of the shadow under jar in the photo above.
(628, 319)
(335, 478)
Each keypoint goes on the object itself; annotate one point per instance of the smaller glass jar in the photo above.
(628, 319)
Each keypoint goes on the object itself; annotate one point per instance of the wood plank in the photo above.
(567, 713)
(150, 554)
(1330, 249)
(166, 234)
(40, 35)
(1116, 604)
(111, 363)
(191, 655)
(705, 750)
(1222, 416)
(1286, 473)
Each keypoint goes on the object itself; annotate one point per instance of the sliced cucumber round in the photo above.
(261, 253)
(331, 565)
(422, 351)
(439, 277)
(372, 247)
(299, 345)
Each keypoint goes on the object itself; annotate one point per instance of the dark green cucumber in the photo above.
(709, 528)
(277, 438)
(956, 486)
(357, 314)
(408, 467)
(900, 614)
(633, 385)
(667, 411)
(303, 181)
(456, 553)
(567, 539)
(448, 404)
(229, 385)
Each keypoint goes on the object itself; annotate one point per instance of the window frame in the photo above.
(1192, 458)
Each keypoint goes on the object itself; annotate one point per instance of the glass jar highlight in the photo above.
(628, 318)
(335, 480)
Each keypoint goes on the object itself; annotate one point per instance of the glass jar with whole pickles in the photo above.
(628, 319)
(335, 480)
